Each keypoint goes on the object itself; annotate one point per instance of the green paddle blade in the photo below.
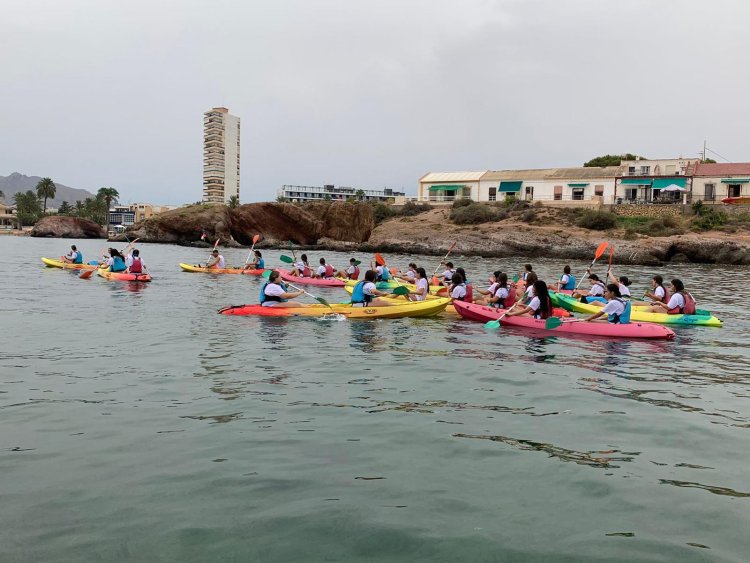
(286, 259)
(515, 278)
(323, 302)
(357, 262)
(266, 274)
(552, 322)
(492, 324)
(400, 290)
(702, 313)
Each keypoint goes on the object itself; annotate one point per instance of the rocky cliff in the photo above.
(67, 227)
(276, 222)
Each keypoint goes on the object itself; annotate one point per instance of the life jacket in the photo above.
(118, 265)
(260, 264)
(137, 266)
(358, 294)
(386, 275)
(264, 297)
(79, 257)
(469, 297)
(466, 292)
(571, 282)
(622, 318)
(355, 275)
(511, 299)
(306, 272)
(329, 271)
(689, 308)
(666, 297)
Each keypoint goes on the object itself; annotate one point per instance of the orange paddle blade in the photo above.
(393, 271)
(86, 275)
(611, 253)
(256, 238)
(379, 259)
(600, 250)
(435, 281)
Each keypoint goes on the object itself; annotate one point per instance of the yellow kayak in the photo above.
(408, 309)
(449, 310)
(52, 263)
(193, 268)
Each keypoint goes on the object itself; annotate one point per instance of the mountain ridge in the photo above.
(17, 182)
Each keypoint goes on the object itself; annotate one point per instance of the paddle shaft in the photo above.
(249, 254)
(596, 257)
(450, 249)
(318, 299)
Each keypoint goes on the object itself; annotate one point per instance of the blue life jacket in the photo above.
(264, 297)
(592, 298)
(571, 282)
(118, 265)
(622, 318)
(358, 294)
(79, 257)
(261, 264)
(386, 275)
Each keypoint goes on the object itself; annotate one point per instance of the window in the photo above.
(578, 194)
(631, 194)
(558, 192)
(645, 170)
(631, 170)
(529, 193)
(709, 193)
(599, 190)
(733, 190)
(493, 194)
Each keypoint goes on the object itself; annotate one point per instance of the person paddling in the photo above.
(258, 263)
(528, 295)
(410, 275)
(365, 294)
(351, 272)
(524, 275)
(681, 302)
(273, 293)
(540, 306)
(115, 262)
(422, 286)
(617, 309)
(325, 271)
(595, 293)
(504, 295)
(486, 294)
(448, 274)
(659, 293)
(216, 261)
(134, 263)
(567, 281)
(302, 268)
(75, 256)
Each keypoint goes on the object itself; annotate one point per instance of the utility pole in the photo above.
(704, 150)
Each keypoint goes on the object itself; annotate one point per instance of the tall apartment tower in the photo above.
(221, 156)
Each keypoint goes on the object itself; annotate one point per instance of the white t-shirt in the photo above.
(502, 293)
(614, 307)
(220, 264)
(624, 291)
(596, 290)
(410, 274)
(677, 300)
(534, 304)
(659, 292)
(459, 292)
(493, 288)
(321, 271)
(564, 279)
(72, 255)
(273, 290)
(448, 275)
(351, 269)
(129, 260)
(424, 286)
(528, 292)
(369, 289)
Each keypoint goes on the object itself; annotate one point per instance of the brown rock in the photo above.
(63, 226)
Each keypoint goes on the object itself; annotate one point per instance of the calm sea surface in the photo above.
(139, 425)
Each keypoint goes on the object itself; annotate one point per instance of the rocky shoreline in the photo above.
(351, 227)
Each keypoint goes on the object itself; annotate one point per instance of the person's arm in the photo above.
(612, 277)
(594, 316)
(516, 312)
(291, 295)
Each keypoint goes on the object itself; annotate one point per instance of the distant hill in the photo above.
(16, 182)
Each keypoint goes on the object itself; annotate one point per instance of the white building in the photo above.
(221, 156)
(439, 187)
(713, 182)
(329, 192)
(655, 181)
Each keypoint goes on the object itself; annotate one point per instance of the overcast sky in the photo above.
(367, 94)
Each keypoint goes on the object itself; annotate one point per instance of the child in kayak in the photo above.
(422, 286)
(135, 264)
(365, 294)
(566, 282)
(504, 296)
(325, 271)
(75, 256)
(410, 275)
(302, 268)
(681, 302)
(382, 274)
(527, 295)
(459, 289)
(258, 263)
(617, 309)
(524, 275)
(216, 261)
(115, 262)
(273, 293)
(351, 272)
(659, 293)
(486, 294)
(540, 306)
(622, 284)
(596, 293)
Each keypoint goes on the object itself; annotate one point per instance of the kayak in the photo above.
(577, 327)
(390, 284)
(638, 313)
(321, 282)
(122, 276)
(193, 268)
(52, 263)
(736, 200)
(411, 309)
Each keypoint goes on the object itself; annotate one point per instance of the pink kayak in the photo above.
(330, 282)
(596, 328)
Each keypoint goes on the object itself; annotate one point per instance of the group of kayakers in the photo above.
(113, 260)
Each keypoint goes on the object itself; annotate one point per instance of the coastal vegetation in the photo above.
(45, 189)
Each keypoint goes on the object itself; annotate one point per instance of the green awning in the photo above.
(661, 183)
(439, 188)
(506, 187)
(636, 181)
(580, 185)
(735, 180)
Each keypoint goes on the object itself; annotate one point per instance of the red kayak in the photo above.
(323, 282)
(121, 276)
(595, 328)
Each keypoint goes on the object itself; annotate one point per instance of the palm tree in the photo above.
(360, 195)
(2, 195)
(45, 188)
(234, 201)
(108, 195)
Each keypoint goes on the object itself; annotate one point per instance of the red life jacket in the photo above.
(329, 271)
(306, 272)
(355, 275)
(137, 266)
(469, 297)
(511, 299)
(689, 308)
(666, 297)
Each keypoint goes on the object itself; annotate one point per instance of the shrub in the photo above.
(462, 203)
(708, 219)
(597, 220)
(410, 209)
(473, 214)
(381, 212)
(528, 216)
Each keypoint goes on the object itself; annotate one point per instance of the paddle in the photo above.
(291, 247)
(286, 259)
(256, 238)
(267, 274)
(450, 249)
(496, 322)
(599, 251)
(400, 290)
(380, 261)
(87, 274)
